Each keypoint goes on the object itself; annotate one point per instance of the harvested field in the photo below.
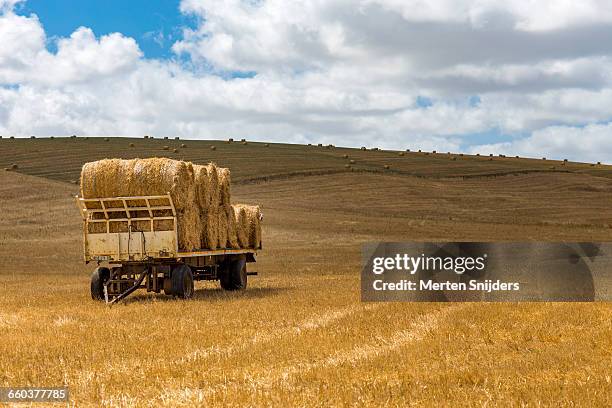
(299, 336)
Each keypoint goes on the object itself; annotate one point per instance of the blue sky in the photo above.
(154, 24)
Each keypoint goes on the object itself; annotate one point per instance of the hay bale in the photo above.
(156, 176)
(254, 218)
(223, 229)
(232, 232)
(241, 223)
(213, 148)
(183, 145)
(224, 188)
(14, 166)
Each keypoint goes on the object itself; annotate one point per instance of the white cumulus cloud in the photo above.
(434, 74)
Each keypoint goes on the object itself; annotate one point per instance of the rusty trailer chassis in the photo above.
(127, 235)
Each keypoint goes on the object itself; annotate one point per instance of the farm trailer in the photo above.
(149, 257)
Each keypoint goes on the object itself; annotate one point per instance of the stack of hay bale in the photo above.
(206, 219)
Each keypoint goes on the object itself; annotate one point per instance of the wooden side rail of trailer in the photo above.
(137, 238)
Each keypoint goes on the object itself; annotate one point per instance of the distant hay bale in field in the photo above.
(553, 168)
(407, 150)
(478, 154)
(146, 136)
(363, 148)
(454, 159)
(106, 139)
(213, 148)
(434, 152)
(419, 150)
(244, 142)
(73, 137)
(387, 166)
(267, 145)
(254, 218)
(401, 153)
(543, 158)
(320, 145)
(52, 137)
(490, 158)
(183, 145)
(565, 160)
(12, 137)
(14, 166)
(516, 157)
(230, 139)
(156, 176)
(166, 147)
(599, 162)
(345, 156)
(32, 137)
(165, 137)
(132, 145)
(177, 138)
(174, 150)
(352, 161)
(348, 166)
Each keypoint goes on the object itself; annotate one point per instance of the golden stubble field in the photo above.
(299, 335)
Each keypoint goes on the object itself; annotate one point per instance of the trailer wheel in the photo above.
(182, 282)
(99, 277)
(234, 276)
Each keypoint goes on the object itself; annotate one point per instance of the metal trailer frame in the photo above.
(149, 258)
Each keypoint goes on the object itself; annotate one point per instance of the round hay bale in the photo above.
(213, 148)
(183, 145)
(320, 144)
(223, 229)
(165, 137)
(352, 161)
(146, 136)
(363, 148)
(106, 139)
(166, 147)
(434, 152)
(267, 145)
(224, 188)
(477, 154)
(52, 137)
(73, 137)
(401, 153)
(241, 224)
(346, 156)
(32, 137)
(254, 219)
(177, 138)
(174, 150)
(132, 145)
(14, 166)
(244, 142)
(599, 162)
(543, 158)
(408, 150)
(231, 139)
(12, 137)
(387, 167)
(232, 229)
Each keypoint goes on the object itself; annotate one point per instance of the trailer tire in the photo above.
(182, 281)
(234, 276)
(99, 277)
